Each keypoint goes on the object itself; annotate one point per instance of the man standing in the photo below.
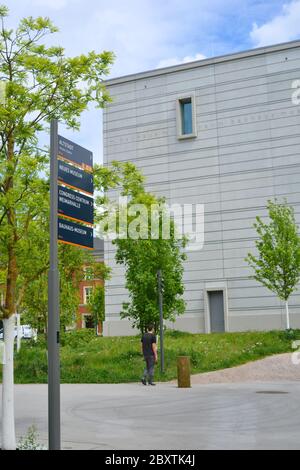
(149, 349)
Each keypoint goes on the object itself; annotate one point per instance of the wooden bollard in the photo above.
(183, 372)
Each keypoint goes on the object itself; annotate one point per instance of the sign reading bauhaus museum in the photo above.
(75, 234)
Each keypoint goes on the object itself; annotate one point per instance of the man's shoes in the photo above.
(152, 383)
(144, 382)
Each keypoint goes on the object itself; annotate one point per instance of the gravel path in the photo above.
(274, 368)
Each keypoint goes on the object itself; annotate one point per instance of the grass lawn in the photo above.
(89, 359)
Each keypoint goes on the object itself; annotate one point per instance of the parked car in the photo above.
(26, 332)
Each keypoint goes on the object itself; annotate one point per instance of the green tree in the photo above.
(142, 259)
(143, 255)
(32, 283)
(40, 84)
(123, 177)
(96, 303)
(34, 306)
(277, 265)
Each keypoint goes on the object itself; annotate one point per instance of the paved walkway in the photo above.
(216, 416)
(250, 415)
(278, 367)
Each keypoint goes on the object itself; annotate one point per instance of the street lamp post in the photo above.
(161, 322)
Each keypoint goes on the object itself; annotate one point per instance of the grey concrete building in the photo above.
(223, 132)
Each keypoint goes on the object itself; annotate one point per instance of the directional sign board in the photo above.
(74, 174)
(75, 205)
(75, 234)
(75, 177)
(75, 153)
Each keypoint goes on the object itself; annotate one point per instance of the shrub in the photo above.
(76, 339)
(30, 441)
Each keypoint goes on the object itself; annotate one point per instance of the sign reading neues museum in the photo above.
(75, 177)
(75, 153)
(75, 191)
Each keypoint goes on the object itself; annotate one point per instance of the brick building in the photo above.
(85, 288)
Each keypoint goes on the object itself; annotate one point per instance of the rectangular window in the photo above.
(88, 321)
(87, 294)
(186, 117)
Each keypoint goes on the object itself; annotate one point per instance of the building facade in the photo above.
(225, 133)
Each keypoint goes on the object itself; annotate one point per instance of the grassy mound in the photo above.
(89, 359)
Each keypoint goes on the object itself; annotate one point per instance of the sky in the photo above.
(148, 34)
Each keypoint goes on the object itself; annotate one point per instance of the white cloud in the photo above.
(34, 7)
(175, 60)
(142, 33)
(282, 28)
(135, 32)
(54, 4)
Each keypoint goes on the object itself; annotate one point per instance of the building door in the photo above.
(216, 311)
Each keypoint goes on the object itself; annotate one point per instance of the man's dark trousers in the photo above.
(149, 369)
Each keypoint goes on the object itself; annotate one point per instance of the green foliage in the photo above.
(122, 176)
(77, 338)
(96, 304)
(34, 304)
(41, 84)
(3, 11)
(144, 255)
(290, 334)
(86, 358)
(277, 265)
(33, 360)
(142, 259)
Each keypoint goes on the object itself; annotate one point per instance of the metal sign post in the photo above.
(53, 304)
(161, 322)
(76, 205)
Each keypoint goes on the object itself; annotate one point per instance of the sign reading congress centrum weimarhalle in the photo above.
(75, 205)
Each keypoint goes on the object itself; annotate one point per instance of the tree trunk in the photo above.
(287, 315)
(8, 419)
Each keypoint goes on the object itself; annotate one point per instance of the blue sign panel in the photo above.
(75, 177)
(76, 206)
(75, 234)
(74, 153)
